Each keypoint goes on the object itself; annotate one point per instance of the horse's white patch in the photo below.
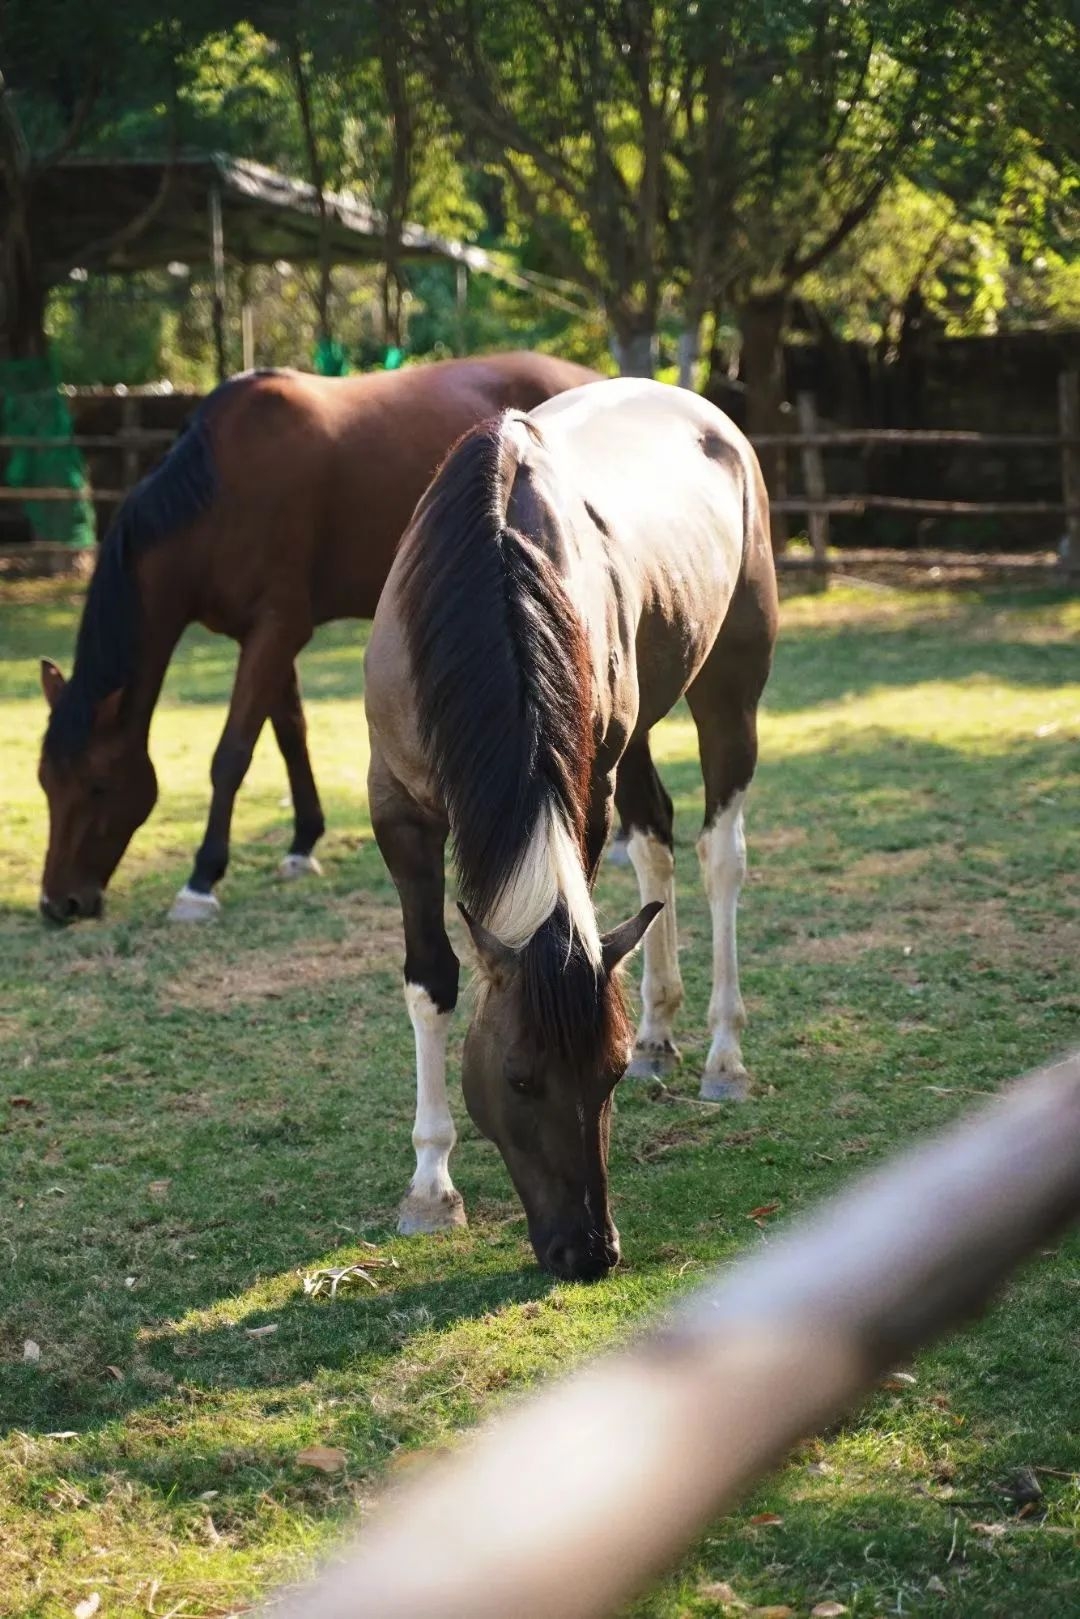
(299, 865)
(191, 906)
(722, 852)
(661, 981)
(550, 868)
(432, 1200)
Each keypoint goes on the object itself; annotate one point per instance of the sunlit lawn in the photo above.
(209, 1114)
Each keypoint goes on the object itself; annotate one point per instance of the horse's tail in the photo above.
(503, 688)
(173, 495)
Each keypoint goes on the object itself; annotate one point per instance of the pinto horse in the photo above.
(567, 577)
(276, 510)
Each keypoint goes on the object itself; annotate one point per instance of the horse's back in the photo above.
(675, 491)
(321, 474)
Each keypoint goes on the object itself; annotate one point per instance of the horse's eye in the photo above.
(523, 1082)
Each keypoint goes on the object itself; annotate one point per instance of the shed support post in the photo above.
(217, 256)
(813, 469)
(1069, 418)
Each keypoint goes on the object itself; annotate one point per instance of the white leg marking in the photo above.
(432, 1203)
(661, 983)
(299, 865)
(722, 852)
(191, 906)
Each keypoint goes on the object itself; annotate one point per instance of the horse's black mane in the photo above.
(503, 675)
(174, 494)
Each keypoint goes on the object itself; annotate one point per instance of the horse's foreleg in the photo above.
(646, 812)
(412, 843)
(290, 729)
(265, 660)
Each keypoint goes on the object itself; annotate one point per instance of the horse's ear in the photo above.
(496, 959)
(107, 711)
(624, 939)
(52, 682)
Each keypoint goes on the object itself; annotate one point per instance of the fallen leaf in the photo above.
(993, 1531)
(720, 1591)
(325, 1458)
(63, 1433)
(897, 1382)
(20, 1101)
(936, 1585)
(209, 1495)
(765, 1520)
(827, 1610)
(328, 1281)
(763, 1211)
(31, 1351)
(129, 1281)
(87, 1608)
(261, 1332)
(779, 1611)
(115, 1373)
(159, 1188)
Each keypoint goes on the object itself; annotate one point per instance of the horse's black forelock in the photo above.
(569, 1001)
(172, 495)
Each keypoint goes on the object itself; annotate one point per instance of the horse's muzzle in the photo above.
(59, 912)
(580, 1259)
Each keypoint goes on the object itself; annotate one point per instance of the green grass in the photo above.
(215, 1111)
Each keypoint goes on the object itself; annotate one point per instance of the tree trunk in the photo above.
(633, 343)
(689, 351)
(23, 293)
(761, 324)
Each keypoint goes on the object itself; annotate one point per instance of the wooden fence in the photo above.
(135, 447)
(575, 1501)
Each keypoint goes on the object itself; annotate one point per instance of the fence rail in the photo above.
(576, 1500)
(134, 444)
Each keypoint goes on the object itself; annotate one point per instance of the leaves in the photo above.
(262, 1332)
(721, 1592)
(764, 1211)
(31, 1351)
(324, 1458)
(827, 1610)
(87, 1608)
(329, 1280)
(765, 1520)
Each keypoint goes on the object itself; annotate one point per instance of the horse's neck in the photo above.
(163, 617)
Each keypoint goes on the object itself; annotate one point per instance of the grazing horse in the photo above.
(566, 578)
(276, 510)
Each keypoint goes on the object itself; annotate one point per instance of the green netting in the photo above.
(330, 358)
(32, 406)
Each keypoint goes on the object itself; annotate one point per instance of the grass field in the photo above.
(192, 1120)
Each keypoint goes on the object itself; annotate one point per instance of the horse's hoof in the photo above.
(191, 906)
(421, 1216)
(299, 865)
(726, 1085)
(618, 854)
(653, 1061)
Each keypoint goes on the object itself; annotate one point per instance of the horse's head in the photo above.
(547, 1045)
(99, 794)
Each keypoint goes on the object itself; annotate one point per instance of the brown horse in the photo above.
(277, 509)
(566, 578)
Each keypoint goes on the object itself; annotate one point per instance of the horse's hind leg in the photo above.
(290, 729)
(723, 701)
(412, 842)
(645, 810)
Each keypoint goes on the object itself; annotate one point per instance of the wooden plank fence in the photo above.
(135, 446)
(580, 1497)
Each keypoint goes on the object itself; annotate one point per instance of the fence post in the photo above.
(1069, 419)
(130, 413)
(813, 469)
